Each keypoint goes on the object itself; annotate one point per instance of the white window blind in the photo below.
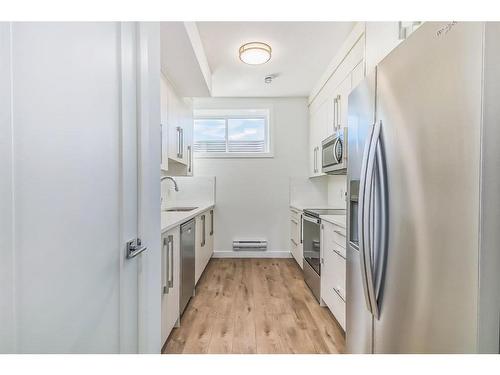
(233, 134)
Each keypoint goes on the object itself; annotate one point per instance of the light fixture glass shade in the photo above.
(255, 53)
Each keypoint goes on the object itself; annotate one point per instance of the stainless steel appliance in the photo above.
(312, 247)
(423, 263)
(187, 264)
(334, 153)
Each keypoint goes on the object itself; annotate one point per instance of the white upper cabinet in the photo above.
(357, 75)
(328, 105)
(164, 124)
(383, 37)
(343, 91)
(363, 49)
(177, 131)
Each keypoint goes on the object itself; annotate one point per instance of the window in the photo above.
(242, 133)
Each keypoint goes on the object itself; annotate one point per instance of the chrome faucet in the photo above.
(171, 179)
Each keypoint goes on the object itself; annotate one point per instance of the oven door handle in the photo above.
(311, 219)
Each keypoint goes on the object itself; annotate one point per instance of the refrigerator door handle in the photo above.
(361, 218)
(368, 218)
(382, 229)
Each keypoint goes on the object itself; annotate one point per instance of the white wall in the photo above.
(253, 193)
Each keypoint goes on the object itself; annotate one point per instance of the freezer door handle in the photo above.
(381, 226)
(374, 225)
(361, 218)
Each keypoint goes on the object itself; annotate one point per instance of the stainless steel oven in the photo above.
(312, 252)
(312, 247)
(334, 153)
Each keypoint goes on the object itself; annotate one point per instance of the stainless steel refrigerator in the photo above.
(423, 258)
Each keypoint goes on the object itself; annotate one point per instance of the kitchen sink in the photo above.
(180, 209)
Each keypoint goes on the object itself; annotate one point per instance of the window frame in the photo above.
(228, 114)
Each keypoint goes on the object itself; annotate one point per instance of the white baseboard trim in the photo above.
(252, 254)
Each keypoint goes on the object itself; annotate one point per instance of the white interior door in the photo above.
(80, 150)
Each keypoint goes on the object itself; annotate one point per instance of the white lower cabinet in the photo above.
(296, 236)
(204, 247)
(170, 281)
(333, 269)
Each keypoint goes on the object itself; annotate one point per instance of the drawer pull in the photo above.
(337, 290)
(293, 241)
(295, 221)
(339, 232)
(339, 253)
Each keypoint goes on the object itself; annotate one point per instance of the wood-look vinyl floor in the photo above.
(255, 306)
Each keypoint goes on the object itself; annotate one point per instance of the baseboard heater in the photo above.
(249, 245)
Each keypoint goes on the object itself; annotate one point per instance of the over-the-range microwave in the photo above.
(334, 153)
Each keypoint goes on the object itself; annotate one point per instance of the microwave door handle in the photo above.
(337, 140)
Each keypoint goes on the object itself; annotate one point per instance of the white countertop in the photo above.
(170, 220)
(302, 207)
(339, 220)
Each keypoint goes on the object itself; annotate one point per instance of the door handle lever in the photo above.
(134, 248)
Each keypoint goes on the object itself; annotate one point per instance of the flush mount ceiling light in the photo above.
(255, 53)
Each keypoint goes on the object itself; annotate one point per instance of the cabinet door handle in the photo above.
(334, 114)
(301, 229)
(190, 159)
(178, 129)
(171, 261)
(182, 143)
(339, 99)
(211, 222)
(203, 230)
(314, 158)
(166, 265)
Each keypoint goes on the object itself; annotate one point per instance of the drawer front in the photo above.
(338, 268)
(339, 237)
(297, 254)
(337, 306)
(333, 240)
(295, 231)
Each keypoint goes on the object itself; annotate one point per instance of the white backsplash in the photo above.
(193, 191)
(337, 188)
(324, 191)
(312, 192)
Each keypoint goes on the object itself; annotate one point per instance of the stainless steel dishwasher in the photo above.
(187, 264)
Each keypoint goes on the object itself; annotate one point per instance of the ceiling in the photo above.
(301, 53)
